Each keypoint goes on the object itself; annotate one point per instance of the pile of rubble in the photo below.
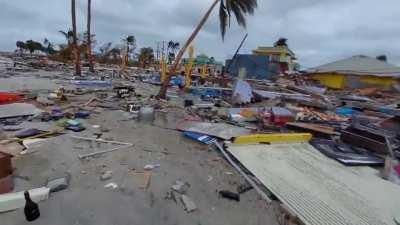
(305, 130)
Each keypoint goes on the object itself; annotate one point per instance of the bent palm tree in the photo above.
(239, 8)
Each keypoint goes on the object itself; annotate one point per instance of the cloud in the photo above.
(319, 31)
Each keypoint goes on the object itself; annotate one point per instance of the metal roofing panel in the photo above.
(359, 65)
(319, 190)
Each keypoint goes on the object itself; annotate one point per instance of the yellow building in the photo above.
(356, 72)
(278, 54)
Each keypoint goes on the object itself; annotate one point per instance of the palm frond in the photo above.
(223, 18)
(239, 8)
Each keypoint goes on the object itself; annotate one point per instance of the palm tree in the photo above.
(69, 36)
(171, 49)
(130, 46)
(146, 56)
(281, 42)
(240, 8)
(75, 40)
(89, 37)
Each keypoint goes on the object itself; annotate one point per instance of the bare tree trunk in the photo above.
(164, 86)
(89, 37)
(75, 42)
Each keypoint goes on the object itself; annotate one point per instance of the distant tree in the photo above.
(33, 46)
(115, 53)
(171, 49)
(146, 56)
(105, 48)
(281, 42)
(69, 36)
(21, 46)
(382, 58)
(130, 43)
(48, 47)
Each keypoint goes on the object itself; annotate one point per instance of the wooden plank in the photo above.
(273, 138)
(313, 127)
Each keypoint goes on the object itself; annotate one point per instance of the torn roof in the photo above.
(359, 65)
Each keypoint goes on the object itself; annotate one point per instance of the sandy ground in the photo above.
(87, 201)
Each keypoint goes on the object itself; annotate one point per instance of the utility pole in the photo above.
(163, 49)
(236, 53)
(158, 51)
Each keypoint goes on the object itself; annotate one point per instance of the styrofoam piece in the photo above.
(16, 200)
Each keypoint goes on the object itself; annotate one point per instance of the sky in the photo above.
(318, 31)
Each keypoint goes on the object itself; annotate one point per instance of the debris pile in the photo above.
(271, 133)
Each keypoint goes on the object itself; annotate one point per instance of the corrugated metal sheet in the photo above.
(359, 65)
(319, 190)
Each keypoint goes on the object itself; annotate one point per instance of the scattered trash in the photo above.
(242, 92)
(106, 175)
(188, 204)
(111, 185)
(243, 188)
(122, 145)
(151, 166)
(180, 187)
(73, 122)
(171, 195)
(28, 133)
(31, 209)
(144, 179)
(205, 139)
(12, 128)
(75, 128)
(229, 195)
(58, 183)
(82, 115)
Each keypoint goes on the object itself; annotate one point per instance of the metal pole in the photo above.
(236, 53)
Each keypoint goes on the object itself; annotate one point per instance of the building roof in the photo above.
(359, 65)
(274, 50)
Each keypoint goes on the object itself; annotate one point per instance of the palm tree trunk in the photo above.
(89, 37)
(164, 86)
(75, 42)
